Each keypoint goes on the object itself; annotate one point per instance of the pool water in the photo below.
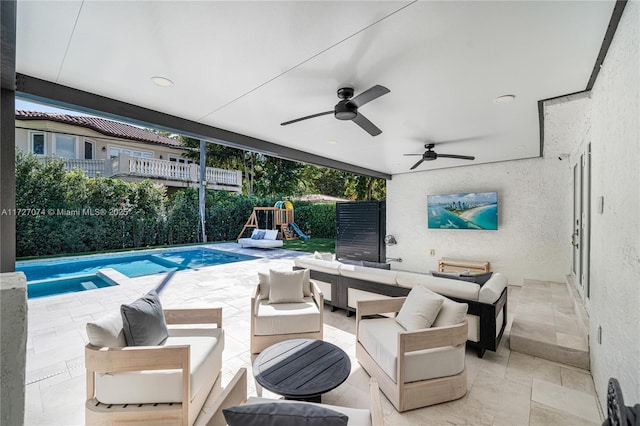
(132, 265)
(65, 285)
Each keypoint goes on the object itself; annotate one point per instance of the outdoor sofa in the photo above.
(343, 285)
(262, 238)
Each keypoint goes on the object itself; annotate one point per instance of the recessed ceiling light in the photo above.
(162, 82)
(504, 99)
(332, 142)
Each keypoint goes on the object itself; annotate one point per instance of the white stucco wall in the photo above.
(615, 244)
(532, 240)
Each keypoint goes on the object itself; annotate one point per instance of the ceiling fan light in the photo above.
(162, 81)
(504, 99)
(346, 115)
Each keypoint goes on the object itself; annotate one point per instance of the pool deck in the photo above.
(504, 387)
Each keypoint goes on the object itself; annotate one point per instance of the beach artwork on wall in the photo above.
(474, 210)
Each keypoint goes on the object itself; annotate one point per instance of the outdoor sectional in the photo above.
(344, 284)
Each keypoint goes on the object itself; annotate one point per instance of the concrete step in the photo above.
(545, 325)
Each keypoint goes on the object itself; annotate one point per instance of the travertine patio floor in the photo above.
(505, 387)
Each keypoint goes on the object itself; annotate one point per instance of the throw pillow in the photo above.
(263, 279)
(271, 234)
(317, 255)
(452, 276)
(451, 313)
(328, 256)
(259, 235)
(479, 278)
(143, 321)
(286, 286)
(419, 309)
(107, 331)
(283, 414)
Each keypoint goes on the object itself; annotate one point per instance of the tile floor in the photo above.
(505, 387)
(546, 325)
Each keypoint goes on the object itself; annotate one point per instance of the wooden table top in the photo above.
(301, 368)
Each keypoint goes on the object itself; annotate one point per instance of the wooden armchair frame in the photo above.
(259, 343)
(407, 396)
(236, 394)
(141, 358)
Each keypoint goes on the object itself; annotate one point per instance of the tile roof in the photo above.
(101, 125)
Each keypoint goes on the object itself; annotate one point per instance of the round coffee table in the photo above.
(301, 369)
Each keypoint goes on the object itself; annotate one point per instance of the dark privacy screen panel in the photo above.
(360, 230)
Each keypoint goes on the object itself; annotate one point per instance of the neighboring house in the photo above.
(112, 149)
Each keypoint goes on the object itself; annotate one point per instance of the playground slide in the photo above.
(299, 232)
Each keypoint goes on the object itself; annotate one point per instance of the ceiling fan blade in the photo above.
(368, 126)
(461, 157)
(417, 164)
(411, 154)
(369, 95)
(320, 114)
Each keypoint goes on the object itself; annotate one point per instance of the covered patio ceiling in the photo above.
(239, 69)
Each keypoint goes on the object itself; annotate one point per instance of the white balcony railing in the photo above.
(162, 169)
(92, 168)
(167, 171)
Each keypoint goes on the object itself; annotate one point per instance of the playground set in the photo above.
(282, 219)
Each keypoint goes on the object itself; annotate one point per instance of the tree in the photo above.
(281, 177)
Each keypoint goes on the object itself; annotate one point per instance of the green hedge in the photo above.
(60, 212)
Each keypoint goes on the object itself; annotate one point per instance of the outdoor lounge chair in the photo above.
(262, 238)
(163, 384)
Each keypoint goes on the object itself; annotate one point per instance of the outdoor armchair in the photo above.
(414, 368)
(273, 321)
(163, 384)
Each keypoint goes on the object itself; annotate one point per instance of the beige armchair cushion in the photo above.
(379, 337)
(159, 386)
(287, 318)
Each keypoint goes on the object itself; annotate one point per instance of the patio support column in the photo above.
(13, 288)
(203, 186)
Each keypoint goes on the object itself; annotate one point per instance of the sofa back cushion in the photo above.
(382, 276)
(107, 331)
(446, 287)
(143, 321)
(419, 309)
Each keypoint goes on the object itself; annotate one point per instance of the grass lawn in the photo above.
(314, 244)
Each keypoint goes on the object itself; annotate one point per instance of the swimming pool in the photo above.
(58, 274)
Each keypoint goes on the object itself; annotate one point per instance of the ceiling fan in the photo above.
(430, 155)
(347, 108)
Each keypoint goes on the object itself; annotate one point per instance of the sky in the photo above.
(32, 106)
